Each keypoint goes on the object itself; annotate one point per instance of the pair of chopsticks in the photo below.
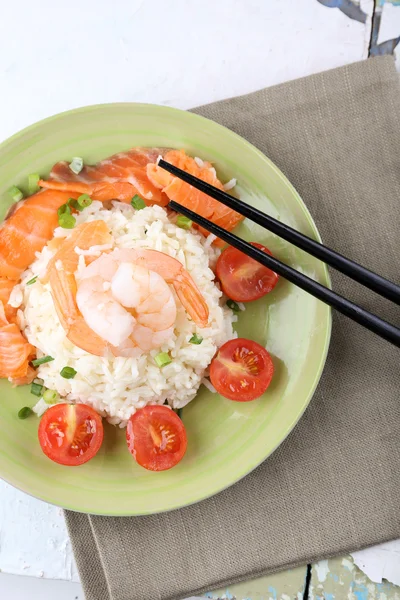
(358, 273)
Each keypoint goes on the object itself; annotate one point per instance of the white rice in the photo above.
(117, 386)
(229, 185)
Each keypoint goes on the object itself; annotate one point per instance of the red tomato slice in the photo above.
(156, 437)
(241, 370)
(242, 278)
(71, 434)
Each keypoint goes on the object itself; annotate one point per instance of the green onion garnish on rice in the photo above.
(64, 209)
(41, 361)
(31, 281)
(138, 202)
(195, 339)
(162, 359)
(15, 193)
(76, 165)
(184, 222)
(66, 220)
(179, 412)
(25, 412)
(68, 373)
(84, 200)
(37, 389)
(50, 396)
(233, 306)
(33, 183)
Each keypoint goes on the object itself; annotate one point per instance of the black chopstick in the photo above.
(356, 313)
(361, 274)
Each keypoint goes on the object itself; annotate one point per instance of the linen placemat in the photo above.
(333, 486)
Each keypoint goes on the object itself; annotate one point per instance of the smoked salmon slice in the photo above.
(119, 177)
(126, 174)
(28, 230)
(188, 196)
(15, 352)
(6, 287)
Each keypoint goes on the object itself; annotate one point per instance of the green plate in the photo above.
(226, 439)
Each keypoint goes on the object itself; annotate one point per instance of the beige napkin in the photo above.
(334, 485)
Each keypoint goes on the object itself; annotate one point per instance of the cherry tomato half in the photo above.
(241, 370)
(71, 434)
(242, 278)
(156, 437)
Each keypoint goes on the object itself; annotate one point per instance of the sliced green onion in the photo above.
(42, 361)
(72, 203)
(15, 193)
(76, 165)
(68, 373)
(184, 222)
(66, 221)
(25, 412)
(50, 396)
(162, 359)
(32, 280)
(33, 183)
(64, 209)
(233, 306)
(195, 339)
(179, 412)
(84, 200)
(138, 202)
(37, 389)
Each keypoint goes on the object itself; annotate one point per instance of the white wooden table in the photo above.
(56, 56)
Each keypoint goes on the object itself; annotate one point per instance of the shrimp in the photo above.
(125, 301)
(121, 302)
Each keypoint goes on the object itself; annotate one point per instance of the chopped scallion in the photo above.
(25, 412)
(15, 193)
(179, 412)
(66, 221)
(64, 209)
(162, 359)
(37, 389)
(233, 306)
(76, 165)
(33, 182)
(32, 280)
(50, 396)
(72, 203)
(195, 339)
(138, 202)
(184, 222)
(41, 361)
(68, 373)
(84, 200)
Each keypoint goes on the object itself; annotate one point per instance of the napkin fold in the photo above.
(333, 486)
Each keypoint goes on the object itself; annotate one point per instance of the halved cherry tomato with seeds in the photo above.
(71, 434)
(156, 437)
(241, 370)
(242, 278)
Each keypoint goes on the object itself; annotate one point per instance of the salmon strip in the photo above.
(15, 352)
(6, 287)
(28, 230)
(188, 196)
(119, 177)
(60, 273)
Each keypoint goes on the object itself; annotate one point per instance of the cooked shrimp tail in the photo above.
(191, 298)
